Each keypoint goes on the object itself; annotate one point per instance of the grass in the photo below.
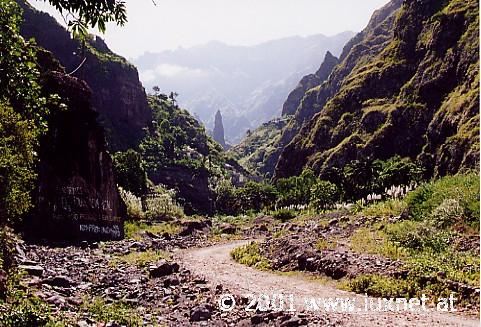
(379, 286)
(140, 259)
(321, 279)
(134, 229)
(438, 212)
(251, 256)
(216, 235)
(324, 244)
(365, 240)
(393, 207)
(118, 312)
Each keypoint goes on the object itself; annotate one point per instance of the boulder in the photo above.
(33, 270)
(163, 268)
(201, 313)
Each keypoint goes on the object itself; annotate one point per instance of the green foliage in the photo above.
(418, 236)
(252, 196)
(458, 266)
(91, 13)
(18, 70)
(22, 115)
(324, 194)
(447, 213)
(118, 312)
(18, 138)
(391, 207)
(360, 178)
(23, 309)
(133, 204)
(130, 172)
(425, 201)
(134, 229)
(284, 214)
(160, 204)
(251, 256)
(365, 240)
(295, 190)
(177, 139)
(381, 286)
(140, 259)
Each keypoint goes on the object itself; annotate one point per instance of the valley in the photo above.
(177, 191)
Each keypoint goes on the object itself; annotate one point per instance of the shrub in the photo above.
(134, 229)
(423, 201)
(160, 204)
(24, 310)
(324, 194)
(447, 213)
(250, 255)
(295, 190)
(381, 286)
(284, 214)
(375, 242)
(140, 259)
(419, 236)
(252, 197)
(133, 204)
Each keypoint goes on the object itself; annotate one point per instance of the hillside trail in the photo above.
(217, 267)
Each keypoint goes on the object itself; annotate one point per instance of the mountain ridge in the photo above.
(241, 81)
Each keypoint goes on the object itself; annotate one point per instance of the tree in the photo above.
(81, 14)
(130, 172)
(324, 194)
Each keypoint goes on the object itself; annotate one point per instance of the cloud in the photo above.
(169, 70)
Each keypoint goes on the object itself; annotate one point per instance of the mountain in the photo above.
(118, 96)
(407, 85)
(248, 84)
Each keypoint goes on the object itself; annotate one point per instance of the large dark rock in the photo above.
(76, 197)
(192, 186)
(163, 268)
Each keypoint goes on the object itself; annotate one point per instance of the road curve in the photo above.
(216, 266)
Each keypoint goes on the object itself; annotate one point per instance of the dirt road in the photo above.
(215, 264)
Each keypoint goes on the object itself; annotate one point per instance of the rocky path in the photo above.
(216, 265)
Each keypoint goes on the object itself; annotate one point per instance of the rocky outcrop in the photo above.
(407, 85)
(76, 197)
(218, 133)
(117, 94)
(191, 186)
(308, 82)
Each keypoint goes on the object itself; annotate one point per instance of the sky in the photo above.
(171, 24)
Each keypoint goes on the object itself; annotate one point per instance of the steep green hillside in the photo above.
(253, 152)
(177, 153)
(407, 85)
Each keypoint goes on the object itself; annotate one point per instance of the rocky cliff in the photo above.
(117, 94)
(77, 196)
(406, 85)
(218, 132)
(308, 82)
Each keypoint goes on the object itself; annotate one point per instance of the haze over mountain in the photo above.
(248, 84)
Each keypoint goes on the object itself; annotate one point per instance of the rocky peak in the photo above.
(307, 82)
(218, 133)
